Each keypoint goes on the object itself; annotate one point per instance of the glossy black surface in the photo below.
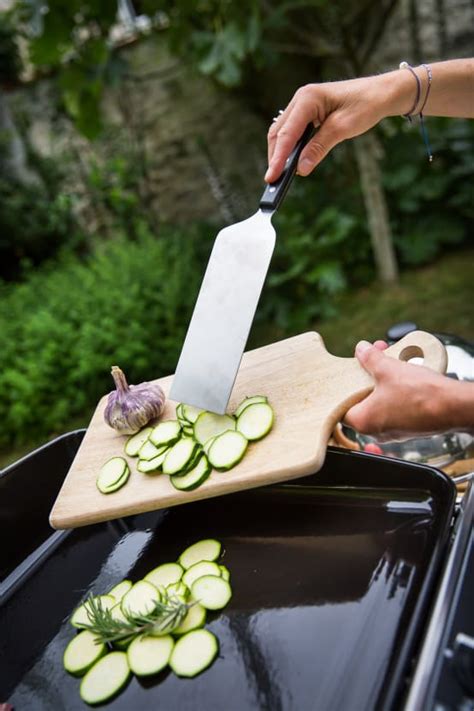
(331, 577)
(27, 491)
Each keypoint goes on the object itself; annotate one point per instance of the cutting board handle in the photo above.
(419, 344)
(358, 383)
(354, 383)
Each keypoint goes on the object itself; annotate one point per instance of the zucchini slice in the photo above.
(206, 447)
(165, 433)
(190, 413)
(141, 599)
(149, 655)
(105, 678)
(179, 590)
(136, 441)
(118, 615)
(150, 466)
(118, 485)
(210, 425)
(195, 618)
(212, 592)
(249, 401)
(228, 449)
(179, 456)
(80, 616)
(188, 430)
(256, 421)
(192, 462)
(204, 567)
(164, 575)
(207, 549)
(115, 487)
(113, 474)
(225, 572)
(82, 652)
(119, 590)
(148, 451)
(193, 653)
(194, 477)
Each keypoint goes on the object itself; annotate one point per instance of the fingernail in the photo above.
(267, 175)
(305, 167)
(362, 346)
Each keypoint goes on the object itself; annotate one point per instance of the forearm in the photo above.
(455, 406)
(451, 92)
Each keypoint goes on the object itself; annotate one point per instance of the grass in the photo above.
(438, 297)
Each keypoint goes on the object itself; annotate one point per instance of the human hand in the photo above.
(341, 109)
(408, 400)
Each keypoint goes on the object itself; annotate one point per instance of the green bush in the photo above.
(313, 261)
(322, 247)
(430, 204)
(36, 218)
(62, 330)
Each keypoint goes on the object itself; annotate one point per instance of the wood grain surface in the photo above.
(309, 389)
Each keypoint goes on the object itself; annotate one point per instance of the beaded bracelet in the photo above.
(424, 132)
(429, 74)
(405, 65)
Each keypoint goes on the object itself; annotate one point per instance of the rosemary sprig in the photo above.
(167, 614)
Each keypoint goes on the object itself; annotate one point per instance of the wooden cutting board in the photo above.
(309, 389)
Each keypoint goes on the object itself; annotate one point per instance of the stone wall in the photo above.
(202, 148)
(398, 41)
(203, 151)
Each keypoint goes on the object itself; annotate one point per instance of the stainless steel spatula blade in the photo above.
(224, 313)
(227, 301)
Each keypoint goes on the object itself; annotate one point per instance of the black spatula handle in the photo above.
(275, 192)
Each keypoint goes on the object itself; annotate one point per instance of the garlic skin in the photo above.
(131, 407)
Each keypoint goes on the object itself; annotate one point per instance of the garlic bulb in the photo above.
(130, 407)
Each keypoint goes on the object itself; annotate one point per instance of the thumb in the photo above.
(325, 139)
(361, 416)
(370, 357)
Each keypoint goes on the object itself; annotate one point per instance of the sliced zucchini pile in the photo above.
(196, 578)
(188, 448)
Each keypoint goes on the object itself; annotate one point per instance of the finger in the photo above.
(286, 137)
(370, 357)
(328, 136)
(381, 345)
(361, 416)
(275, 127)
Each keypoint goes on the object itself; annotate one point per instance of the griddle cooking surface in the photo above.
(325, 584)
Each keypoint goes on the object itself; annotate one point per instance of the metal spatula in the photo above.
(228, 299)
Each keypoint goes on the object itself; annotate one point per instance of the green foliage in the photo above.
(72, 38)
(63, 329)
(33, 226)
(312, 262)
(322, 246)
(115, 185)
(36, 218)
(431, 204)
(219, 36)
